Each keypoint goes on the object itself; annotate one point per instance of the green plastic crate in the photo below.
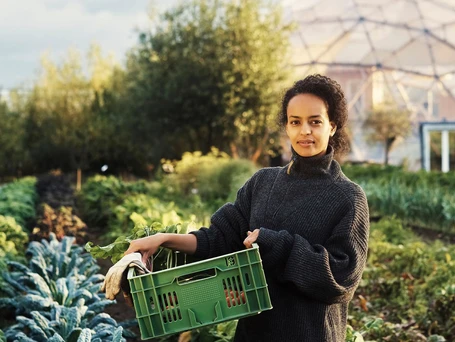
(206, 292)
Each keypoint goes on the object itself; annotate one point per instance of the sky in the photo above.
(29, 28)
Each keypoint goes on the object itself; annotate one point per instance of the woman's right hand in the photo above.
(147, 246)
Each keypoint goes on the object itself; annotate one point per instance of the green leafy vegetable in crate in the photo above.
(164, 258)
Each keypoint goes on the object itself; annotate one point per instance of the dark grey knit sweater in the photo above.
(313, 242)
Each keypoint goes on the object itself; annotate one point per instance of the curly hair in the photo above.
(331, 93)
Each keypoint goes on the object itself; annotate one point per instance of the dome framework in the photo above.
(381, 50)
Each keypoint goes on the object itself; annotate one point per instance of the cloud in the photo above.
(30, 27)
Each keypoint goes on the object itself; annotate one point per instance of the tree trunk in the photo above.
(386, 152)
(388, 146)
(258, 152)
(79, 179)
(234, 151)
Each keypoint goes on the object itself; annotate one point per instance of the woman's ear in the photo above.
(333, 129)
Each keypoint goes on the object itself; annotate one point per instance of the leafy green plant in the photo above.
(56, 297)
(57, 274)
(151, 209)
(115, 250)
(420, 205)
(18, 199)
(357, 336)
(392, 230)
(441, 311)
(12, 237)
(101, 194)
(223, 332)
(62, 222)
(213, 177)
(98, 195)
(66, 324)
(407, 283)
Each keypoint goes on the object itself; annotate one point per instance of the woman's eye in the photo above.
(294, 122)
(316, 122)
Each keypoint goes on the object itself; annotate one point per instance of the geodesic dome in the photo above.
(399, 50)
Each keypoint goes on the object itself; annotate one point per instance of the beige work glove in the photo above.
(116, 278)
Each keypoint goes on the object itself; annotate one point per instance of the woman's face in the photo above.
(308, 126)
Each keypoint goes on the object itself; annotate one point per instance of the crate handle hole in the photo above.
(247, 279)
(152, 303)
(196, 276)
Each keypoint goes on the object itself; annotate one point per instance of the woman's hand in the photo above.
(251, 238)
(147, 246)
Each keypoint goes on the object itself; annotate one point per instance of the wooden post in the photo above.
(79, 179)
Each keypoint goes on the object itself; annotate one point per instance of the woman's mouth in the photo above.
(305, 143)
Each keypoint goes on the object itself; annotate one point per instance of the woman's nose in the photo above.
(306, 129)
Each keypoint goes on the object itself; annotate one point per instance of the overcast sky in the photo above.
(30, 27)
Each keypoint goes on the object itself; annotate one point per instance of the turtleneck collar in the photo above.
(311, 166)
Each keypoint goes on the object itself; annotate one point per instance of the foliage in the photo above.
(419, 204)
(357, 336)
(108, 202)
(208, 75)
(62, 222)
(161, 260)
(56, 297)
(66, 324)
(67, 123)
(384, 173)
(422, 199)
(387, 123)
(18, 199)
(405, 281)
(12, 237)
(57, 273)
(149, 208)
(101, 194)
(392, 230)
(258, 51)
(55, 190)
(213, 176)
(407, 284)
(13, 154)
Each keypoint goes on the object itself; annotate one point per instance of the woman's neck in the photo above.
(310, 166)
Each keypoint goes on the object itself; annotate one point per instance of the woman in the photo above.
(310, 221)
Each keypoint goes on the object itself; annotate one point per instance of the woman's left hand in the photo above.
(251, 238)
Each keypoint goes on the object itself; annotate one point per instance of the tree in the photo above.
(209, 75)
(14, 158)
(257, 41)
(175, 82)
(387, 124)
(66, 127)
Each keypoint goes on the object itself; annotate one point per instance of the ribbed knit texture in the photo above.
(313, 241)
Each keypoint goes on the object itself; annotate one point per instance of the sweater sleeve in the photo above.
(329, 272)
(228, 226)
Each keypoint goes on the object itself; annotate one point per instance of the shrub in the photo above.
(12, 238)
(18, 200)
(213, 177)
(62, 222)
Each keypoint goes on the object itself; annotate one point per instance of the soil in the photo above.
(430, 235)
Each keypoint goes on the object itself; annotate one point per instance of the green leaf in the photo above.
(85, 336)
